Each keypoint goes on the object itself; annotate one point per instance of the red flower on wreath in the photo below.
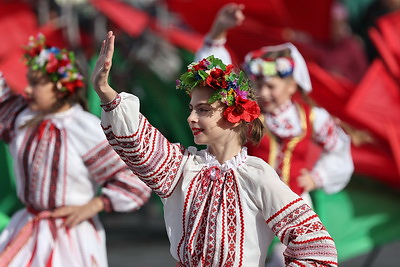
(216, 78)
(244, 109)
(202, 65)
(72, 85)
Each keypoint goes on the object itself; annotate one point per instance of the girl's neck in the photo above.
(64, 107)
(224, 152)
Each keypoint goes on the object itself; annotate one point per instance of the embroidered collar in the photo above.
(282, 108)
(233, 163)
(287, 123)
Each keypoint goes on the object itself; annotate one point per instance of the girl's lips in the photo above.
(196, 131)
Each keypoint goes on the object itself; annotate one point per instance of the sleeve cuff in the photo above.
(214, 43)
(317, 179)
(109, 106)
(107, 203)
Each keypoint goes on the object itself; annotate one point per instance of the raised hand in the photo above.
(102, 69)
(229, 16)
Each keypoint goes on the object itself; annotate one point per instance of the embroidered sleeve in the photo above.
(10, 106)
(334, 168)
(299, 228)
(294, 223)
(141, 146)
(121, 190)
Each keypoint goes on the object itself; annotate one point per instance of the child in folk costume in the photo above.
(61, 157)
(294, 126)
(222, 207)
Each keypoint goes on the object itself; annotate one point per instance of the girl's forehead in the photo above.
(34, 74)
(200, 94)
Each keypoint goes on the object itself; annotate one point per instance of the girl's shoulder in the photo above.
(82, 126)
(256, 171)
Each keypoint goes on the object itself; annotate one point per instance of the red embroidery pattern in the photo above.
(103, 163)
(112, 104)
(207, 199)
(9, 110)
(298, 227)
(34, 153)
(150, 156)
(328, 135)
(55, 169)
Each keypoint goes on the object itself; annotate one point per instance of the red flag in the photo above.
(265, 24)
(17, 22)
(376, 100)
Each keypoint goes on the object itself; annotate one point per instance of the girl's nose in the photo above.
(263, 91)
(192, 117)
(28, 90)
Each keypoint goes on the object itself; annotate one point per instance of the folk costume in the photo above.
(217, 214)
(61, 161)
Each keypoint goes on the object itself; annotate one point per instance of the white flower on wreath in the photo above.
(42, 58)
(256, 66)
(283, 65)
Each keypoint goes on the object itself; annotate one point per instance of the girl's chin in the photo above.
(198, 142)
(33, 107)
(267, 108)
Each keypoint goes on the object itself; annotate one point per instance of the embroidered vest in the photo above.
(289, 155)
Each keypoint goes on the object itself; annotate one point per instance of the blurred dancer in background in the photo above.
(61, 158)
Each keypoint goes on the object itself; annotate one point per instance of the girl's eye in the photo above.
(203, 110)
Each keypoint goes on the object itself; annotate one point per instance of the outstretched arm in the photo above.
(102, 69)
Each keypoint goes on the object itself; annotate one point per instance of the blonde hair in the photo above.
(251, 132)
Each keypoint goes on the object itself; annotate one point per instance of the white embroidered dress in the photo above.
(216, 215)
(62, 161)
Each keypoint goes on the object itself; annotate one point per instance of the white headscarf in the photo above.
(300, 72)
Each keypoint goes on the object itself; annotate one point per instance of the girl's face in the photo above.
(41, 93)
(206, 121)
(275, 92)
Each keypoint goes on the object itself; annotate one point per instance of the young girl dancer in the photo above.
(61, 158)
(296, 130)
(222, 207)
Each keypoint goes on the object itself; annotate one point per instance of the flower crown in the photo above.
(231, 88)
(58, 64)
(259, 67)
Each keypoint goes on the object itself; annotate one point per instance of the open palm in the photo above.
(102, 68)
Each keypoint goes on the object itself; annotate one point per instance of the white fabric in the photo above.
(217, 213)
(82, 246)
(219, 51)
(73, 144)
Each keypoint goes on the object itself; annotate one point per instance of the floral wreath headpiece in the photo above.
(258, 66)
(231, 88)
(58, 64)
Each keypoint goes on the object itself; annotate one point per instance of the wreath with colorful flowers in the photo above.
(231, 87)
(58, 64)
(259, 67)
